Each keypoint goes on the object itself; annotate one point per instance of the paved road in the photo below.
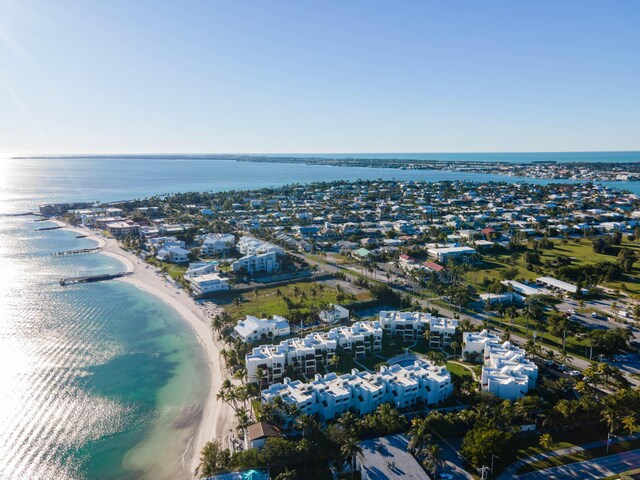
(476, 318)
(453, 463)
(591, 469)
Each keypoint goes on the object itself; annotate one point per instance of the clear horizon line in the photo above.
(107, 154)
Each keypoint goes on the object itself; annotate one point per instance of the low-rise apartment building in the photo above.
(411, 326)
(123, 228)
(217, 244)
(506, 373)
(252, 329)
(332, 395)
(312, 353)
(442, 331)
(207, 283)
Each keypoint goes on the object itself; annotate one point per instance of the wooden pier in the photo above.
(48, 228)
(82, 251)
(92, 278)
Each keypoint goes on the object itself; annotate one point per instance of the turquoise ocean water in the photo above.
(94, 377)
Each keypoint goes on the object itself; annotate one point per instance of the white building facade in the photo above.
(312, 353)
(332, 395)
(207, 283)
(217, 244)
(252, 329)
(506, 373)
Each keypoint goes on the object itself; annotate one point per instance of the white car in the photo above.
(574, 373)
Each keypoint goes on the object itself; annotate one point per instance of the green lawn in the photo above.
(579, 250)
(267, 301)
(175, 271)
(458, 370)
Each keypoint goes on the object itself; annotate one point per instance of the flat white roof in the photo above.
(522, 288)
(554, 282)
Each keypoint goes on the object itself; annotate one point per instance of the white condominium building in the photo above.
(207, 282)
(332, 395)
(442, 331)
(506, 373)
(252, 329)
(259, 256)
(334, 314)
(252, 246)
(217, 244)
(475, 342)
(312, 353)
(200, 268)
(444, 254)
(263, 262)
(411, 325)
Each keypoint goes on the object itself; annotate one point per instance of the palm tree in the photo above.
(630, 423)
(350, 450)
(287, 475)
(306, 424)
(433, 453)
(437, 358)
(610, 416)
(349, 422)
(419, 435)
(334, 361)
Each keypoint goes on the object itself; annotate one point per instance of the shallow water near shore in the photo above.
(99, 380)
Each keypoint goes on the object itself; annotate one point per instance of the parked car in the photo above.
(594, 314)
(562, 368)
(549, 363)
(575, 373)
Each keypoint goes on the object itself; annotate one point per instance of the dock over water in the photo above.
(92, 278)
(82, 251)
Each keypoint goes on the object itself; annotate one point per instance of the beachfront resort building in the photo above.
(201, 268)
(217, 244)
(506, 373)
(258, 256)
(207, 283)
(173, 254)
(334, 314)
(312, 353)
(332, 395)
(123, 228)
(410, 326)
(252, 329)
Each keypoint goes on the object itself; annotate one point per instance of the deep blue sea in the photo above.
(93, 375)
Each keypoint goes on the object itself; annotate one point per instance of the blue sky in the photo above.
(82, 76)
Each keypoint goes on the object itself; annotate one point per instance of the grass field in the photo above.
(267, 301)
(458, 371)
(579, 250)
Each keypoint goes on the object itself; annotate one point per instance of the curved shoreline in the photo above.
(215, 419)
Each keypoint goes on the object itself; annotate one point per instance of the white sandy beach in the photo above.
(216, 418)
